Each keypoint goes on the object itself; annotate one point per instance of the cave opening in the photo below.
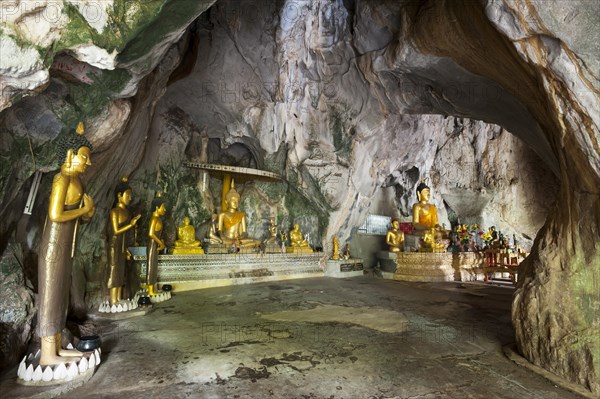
(351, 104)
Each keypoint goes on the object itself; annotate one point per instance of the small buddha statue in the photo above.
(212, 235)
(155, 243)
(395, 237)
(272, 239)
(297, 242)
(336, 249)
(430, 242)
(186, 242)
(347, 252)
(232, 222)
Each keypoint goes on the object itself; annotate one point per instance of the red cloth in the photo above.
(406, 227)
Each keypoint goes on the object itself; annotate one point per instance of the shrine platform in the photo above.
(436, 267)
(192, 272)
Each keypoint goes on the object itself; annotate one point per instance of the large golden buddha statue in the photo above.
(232, 222)
(297, 242)
(425, 220)
(395, 237)
(186, 242)
(68, 205)
(424, 214)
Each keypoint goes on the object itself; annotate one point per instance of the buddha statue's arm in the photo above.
(415, 213)
(435, 216)
(220, 222)
(56, 208)
(114, 221)
(242, 227)
(389, 238)
(155, 227)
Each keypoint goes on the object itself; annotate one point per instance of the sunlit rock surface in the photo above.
(341, 98)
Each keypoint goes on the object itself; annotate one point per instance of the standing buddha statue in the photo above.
(68, 204)
(120, 222)
(155, 243)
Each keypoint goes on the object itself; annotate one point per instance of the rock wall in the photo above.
(340, 97)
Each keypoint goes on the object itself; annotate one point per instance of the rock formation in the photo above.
(340, 97)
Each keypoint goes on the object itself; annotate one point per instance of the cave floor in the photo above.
(359, 337)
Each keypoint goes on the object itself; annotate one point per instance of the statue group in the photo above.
(69, 205)
(424, 223)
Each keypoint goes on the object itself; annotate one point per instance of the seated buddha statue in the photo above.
(186, 242)
(297, 242)
(272, 239)
(212, 235)
(395, 237)
(232, 223)
(431, 244)
(425, 217)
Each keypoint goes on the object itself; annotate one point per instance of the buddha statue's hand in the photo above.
(135, 219)
(161, 245)
(88, 207)
(88, 203)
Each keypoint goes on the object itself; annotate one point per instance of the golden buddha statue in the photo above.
(212, 235)
(120, 223)
(347, 252)
(186, 242)
(272, 239)
(297, 242)
(430, 243)
(155, 244)
(68, 204)
(232, 222)
(336, 249)
(425, 219)
(424, 214)
(395, 237)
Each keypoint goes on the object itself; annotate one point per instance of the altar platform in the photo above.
(191, 272)
(436, 267)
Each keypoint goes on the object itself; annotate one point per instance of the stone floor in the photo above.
(359, 337)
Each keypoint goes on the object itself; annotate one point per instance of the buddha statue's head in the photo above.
(395, 224)
(74, 151)
(186, 221)
(423, 192)
(123, 191)
(233, 199)
(158, 206)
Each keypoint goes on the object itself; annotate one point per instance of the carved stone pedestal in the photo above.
(299, 250)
